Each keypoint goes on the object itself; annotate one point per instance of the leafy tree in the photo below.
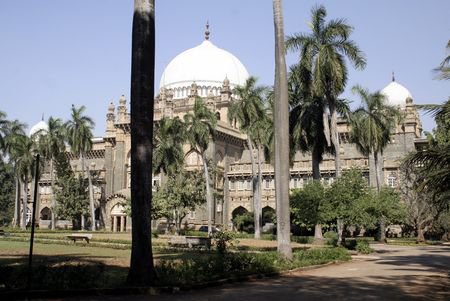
(182, 193)
(200, 127)
(381, 205)
(245, 222)
(281, 135)
(323, 53)
(249, 113)
(423, 206)
(142, 270)
(70, 191)
(343, 196)
(307, 205)
(79, 136)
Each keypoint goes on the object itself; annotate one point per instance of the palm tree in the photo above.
(50, 144)
(306, 125)
(323, 53)
(3, 130)
(10, 132)
(443, 70)
(22, 153)
(168, 138)
(142, 271)
(371, 131)
(249, 112)
(79, 136)
(200, 127)
(281, 122)
(372, 124)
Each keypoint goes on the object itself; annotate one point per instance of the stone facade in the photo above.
(110, 157)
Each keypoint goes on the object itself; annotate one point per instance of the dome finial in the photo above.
(393, 76)
(207, 30)
(42, 116)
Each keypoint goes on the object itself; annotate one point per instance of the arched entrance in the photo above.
(238, 211)
(268, 215)
(46, 214)
(118, 218)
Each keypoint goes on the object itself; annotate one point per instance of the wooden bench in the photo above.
(3, 233)
(79, 236)
(190, 241)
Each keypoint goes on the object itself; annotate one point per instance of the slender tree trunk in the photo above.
(208, 193)
(23, 224)
(142, 270)
(82, 222)
(85, 171)
(256, 198)
(340, 230)
(16, 221)
(381, 235)
(318, 237)
(335, 140)
(377, 171)
(258, 206)
(52, 184)
(281, 121)
(91, 199)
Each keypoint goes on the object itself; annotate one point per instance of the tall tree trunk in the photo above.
(318, 237)
(16, 221)
(256, 198)
(281, 121)
(85, 171)
(381, 233)
(335, 140)
(91, 199)
(23, 224)
(258, 206)
(142, 271)
(340, 230)
(377, 170)
(52, 184)
(420, 235)
(208, 193)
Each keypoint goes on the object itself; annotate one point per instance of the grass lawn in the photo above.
(73, 266)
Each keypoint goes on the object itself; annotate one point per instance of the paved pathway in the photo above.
(394, 273)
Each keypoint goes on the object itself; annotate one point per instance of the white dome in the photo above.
(40, 126)
(207, 65)
(396, 94)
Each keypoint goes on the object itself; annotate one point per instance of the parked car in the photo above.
(205, 229)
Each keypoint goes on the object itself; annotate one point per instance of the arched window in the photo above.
(392, 180)
(218, 115)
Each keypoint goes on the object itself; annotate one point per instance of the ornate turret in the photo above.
(110, 118)
(122, 110)
(168, 106)
(210, 101)
(225, 91)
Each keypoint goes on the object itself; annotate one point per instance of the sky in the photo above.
(55, 53)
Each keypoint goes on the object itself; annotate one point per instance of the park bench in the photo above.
(3, 233)
(190, 241)
(80, 236)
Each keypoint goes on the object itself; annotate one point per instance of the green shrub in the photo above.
(303, 239)
(245, 222)
(331, 238)
(363, 247)
(222, 239)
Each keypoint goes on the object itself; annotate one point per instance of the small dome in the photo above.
(396, 94)
(207, 65)
(40, 126)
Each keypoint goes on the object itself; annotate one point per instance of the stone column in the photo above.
(114, 223)
(122, 223)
